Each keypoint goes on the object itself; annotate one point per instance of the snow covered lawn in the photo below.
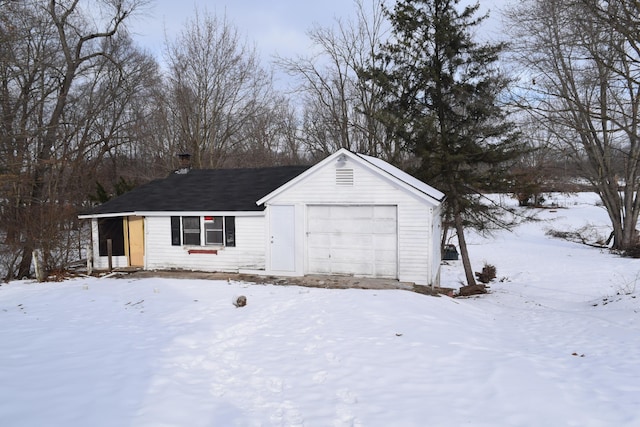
(556, 343)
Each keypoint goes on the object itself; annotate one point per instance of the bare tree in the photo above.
(581, 82)
(64, 87)
(216, 85)
(270, 137)
(541, 168)
(339, 107)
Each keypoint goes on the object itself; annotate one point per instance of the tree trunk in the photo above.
(464, 253)
(443, 240)
(630, 220)
(24, 269)
(623, 216)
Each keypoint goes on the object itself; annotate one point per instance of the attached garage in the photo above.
(355, 215)
(358, 240)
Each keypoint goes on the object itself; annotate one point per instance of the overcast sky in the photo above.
(277, 27)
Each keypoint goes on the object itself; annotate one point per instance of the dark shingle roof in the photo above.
(203, 190)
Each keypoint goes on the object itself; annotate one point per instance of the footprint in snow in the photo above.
(320, 377)
(347, 396)
(275, 384)
(332, 357)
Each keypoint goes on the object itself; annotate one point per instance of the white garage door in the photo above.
(357, 240)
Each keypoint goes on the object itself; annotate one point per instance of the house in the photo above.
(350, 214)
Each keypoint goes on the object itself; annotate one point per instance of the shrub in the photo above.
(633, 252)
(487, 274)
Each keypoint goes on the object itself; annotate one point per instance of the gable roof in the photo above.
(211, 190)
(404, 177)
(376, 165)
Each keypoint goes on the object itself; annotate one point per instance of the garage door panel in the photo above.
(384, 241)
(352, 241)
(320, 225)
(321, 253)
(355, 268)
(320, 266)
(340, 226)
(349, 226)
(384, 255)
(385, 270)
(384, 225)
(384, 210)
(350, 212)
(364, 226)
(355, 240)
(340, 240)
(319, 240)
(322, 211)
(349, 255)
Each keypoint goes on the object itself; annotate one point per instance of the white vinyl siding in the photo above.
(415, 259)
(247, 254)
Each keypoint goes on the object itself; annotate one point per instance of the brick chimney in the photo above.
(185, 163)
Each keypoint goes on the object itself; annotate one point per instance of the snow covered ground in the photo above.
(556, 343)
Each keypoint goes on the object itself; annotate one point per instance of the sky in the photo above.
(277, 27)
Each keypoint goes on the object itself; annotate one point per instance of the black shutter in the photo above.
(175, 231)
(230, 231)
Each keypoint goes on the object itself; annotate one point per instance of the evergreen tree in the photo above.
(119, 188)
(442, 101)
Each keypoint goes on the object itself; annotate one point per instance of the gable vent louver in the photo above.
(344, 176)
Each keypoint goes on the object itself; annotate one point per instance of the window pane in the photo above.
(213, 231)
(192, 238)
(213, 237)
(191, 223)
(217, 223)
(191, 230)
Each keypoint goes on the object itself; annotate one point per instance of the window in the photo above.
(213, 230)
(191, 230)
(218, 230)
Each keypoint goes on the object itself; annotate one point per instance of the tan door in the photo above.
(136, 241)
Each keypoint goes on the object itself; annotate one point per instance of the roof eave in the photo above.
(106, 215)
(172, 213)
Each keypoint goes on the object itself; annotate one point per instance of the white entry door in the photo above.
(282, 237)
(354, 240)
